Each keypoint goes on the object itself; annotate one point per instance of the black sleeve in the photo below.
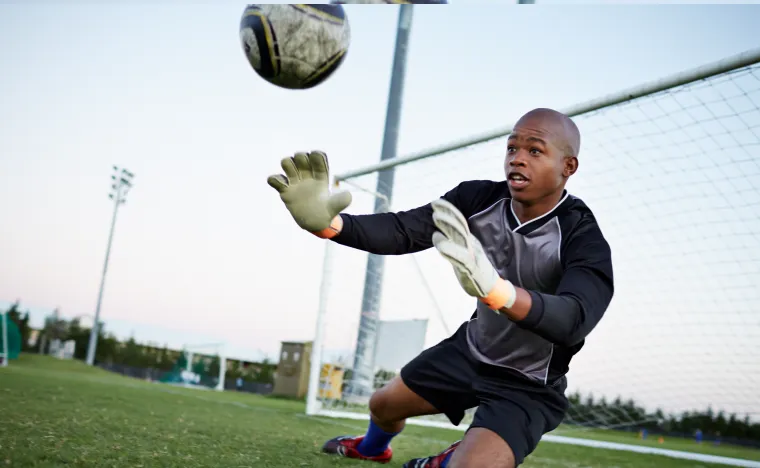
(409, 231)
(584, 292)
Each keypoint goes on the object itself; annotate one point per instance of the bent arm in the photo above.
(580, 301)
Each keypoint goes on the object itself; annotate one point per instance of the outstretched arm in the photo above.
(410, 231)
(304, 189)
(387, 233)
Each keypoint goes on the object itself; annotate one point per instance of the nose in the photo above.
(516, 159)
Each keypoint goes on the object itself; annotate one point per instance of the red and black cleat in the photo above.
(346, 446)
(436, 461)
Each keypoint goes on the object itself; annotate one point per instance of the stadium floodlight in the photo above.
(368, 319)
(121, 183)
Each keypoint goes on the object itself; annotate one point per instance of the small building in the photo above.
(292, 379)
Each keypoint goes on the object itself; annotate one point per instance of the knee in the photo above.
(379, 407)
(395, 402)
(482, 448)
(388, 403)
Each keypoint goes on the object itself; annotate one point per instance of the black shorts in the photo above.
(453, 381)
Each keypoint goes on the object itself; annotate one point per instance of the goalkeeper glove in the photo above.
(305, 190)
(473, 269)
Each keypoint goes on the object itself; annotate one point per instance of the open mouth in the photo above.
(517, 180)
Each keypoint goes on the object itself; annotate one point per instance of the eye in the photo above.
(510, 149)
(535, 151)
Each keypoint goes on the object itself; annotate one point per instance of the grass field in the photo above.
(62, 413)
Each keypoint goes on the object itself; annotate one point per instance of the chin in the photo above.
(519, 195)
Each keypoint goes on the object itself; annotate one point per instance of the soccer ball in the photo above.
(295, 46)
(390, 2)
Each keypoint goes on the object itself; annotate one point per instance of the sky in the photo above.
(205, 252)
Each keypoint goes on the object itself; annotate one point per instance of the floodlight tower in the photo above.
(121, 182)
(363, 369)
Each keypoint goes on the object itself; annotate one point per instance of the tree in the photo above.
(213, 367)
(130, 353)
(590, 401)
(55, 328)
(81, 337)
(265, 373)
(164, 359)
(382, 377)
(198, 366)
(181, 362)
(22, 322)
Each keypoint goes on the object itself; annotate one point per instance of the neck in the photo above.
(528, 211)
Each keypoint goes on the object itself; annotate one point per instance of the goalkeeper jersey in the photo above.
(561, 258)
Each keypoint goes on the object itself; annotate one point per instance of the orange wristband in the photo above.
(503, 294)
(336, 225)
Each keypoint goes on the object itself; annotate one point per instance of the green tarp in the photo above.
(14, 337)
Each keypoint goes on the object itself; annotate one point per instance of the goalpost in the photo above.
(5, 348)
(202, 366)
(672, 171)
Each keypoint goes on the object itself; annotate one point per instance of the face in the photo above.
(536, 165)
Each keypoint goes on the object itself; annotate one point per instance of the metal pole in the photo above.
(363, 369)
(122, 183)
(96, 325)
(6, 351)
(315, 364)
(725, 65)
(222, 370)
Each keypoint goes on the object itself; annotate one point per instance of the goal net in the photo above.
(201, 366)
(673, 176)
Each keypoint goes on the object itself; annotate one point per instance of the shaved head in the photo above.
(561, 129)
(542, 154)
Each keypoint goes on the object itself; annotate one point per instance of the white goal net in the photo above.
(201, 366)
(673, 177)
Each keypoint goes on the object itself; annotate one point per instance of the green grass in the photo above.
(62, 413)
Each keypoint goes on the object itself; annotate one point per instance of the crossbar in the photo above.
(727, 64)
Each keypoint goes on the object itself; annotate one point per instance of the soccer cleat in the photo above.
(435, 461)
(346, 446)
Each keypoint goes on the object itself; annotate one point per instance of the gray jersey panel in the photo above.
(531, 261)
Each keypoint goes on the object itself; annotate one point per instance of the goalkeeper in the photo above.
(535, 259)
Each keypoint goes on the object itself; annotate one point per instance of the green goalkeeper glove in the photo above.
(305, 190)
(473, 269)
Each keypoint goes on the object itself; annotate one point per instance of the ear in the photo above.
(570, 166)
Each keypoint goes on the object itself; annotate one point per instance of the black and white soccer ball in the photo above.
(390, 2)
(295, 46)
